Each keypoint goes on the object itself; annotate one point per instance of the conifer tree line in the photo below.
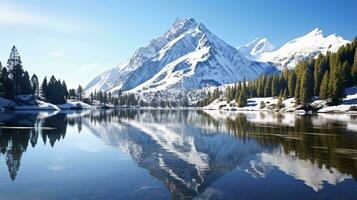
(211, 96)
(130, 99)
(119, 99)
(326, 76)
(14, 81)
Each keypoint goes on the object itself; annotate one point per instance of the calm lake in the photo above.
(161, 154)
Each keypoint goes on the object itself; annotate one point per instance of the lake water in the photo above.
(157, 154)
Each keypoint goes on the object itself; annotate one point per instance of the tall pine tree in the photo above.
(306, 87)
(323, 93)
(44, 88)
(354, 69)
(336, 86)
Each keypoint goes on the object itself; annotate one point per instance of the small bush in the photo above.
(353, 108)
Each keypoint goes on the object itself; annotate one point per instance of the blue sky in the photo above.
(77, 40)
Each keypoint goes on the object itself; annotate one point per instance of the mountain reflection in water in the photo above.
(188, 151)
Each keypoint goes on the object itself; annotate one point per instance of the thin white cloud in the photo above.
(10, 17)
(15, 15)
(56, 54)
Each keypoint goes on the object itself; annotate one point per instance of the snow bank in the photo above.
(253, 104)
(40, 105)
(29, 102)
(74, 105)
(216, 105)
(349, 104)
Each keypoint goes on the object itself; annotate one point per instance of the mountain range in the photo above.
(188, 57)
(294, 51)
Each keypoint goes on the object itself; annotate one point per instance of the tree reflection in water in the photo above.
(187, 151)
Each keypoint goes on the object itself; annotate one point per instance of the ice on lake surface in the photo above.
(177, 154)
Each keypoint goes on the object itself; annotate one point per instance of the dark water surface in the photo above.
(153, 154)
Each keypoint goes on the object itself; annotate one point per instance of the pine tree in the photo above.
(91, 96)
(274, 86)
(346, 74)
(215, 94)
(242, 99)
(35, 85)
(292, 83)
(336, 85)
(282, 82)
(321, 65)
(8, 89)
(80, 92)
(14, 59)
(285, 94)
(105, 98)
(354, 69)
(267, 88)
(16, 71)
(55, 91)
(44, 87)
(297, 91)
(72, 94)
(306, 87)
(324, 86)
(261, 86)
(65, 90)
(229, 93)
(25, 84)
(51, 90)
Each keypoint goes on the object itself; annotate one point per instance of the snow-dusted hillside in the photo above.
(298, 49)
(188, 56)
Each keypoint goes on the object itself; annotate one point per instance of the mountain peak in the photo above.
(307, 46)
(315, 32)
(184, 23)
(186, 57)
(180, 26)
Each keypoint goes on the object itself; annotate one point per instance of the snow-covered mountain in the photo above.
(255, 48)
(188, 56)
(298, 49)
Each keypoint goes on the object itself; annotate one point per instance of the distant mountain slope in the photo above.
(298, 49)
(256, 48)
(186, 57)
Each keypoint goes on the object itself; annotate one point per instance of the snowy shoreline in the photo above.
(348, 106)
(28, 102)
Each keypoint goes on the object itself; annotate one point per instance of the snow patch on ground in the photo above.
(349, 104)
(29, 102)
(253, 104)
(40, 105)
(73, 104)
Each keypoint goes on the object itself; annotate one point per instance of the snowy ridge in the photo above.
(296, 50)
(186, 57)
(256, 48)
